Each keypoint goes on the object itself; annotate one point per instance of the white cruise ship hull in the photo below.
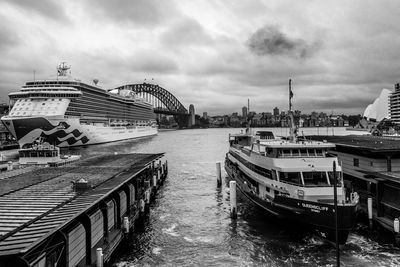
(70, 132)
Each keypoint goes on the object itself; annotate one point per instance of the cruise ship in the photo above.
(294, 179)
(65, 112)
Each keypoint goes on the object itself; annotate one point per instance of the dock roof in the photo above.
(46, 201)
(376, 144)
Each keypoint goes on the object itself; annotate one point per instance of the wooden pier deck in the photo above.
(41, 210)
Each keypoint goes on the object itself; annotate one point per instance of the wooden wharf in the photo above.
(371, 167)
(75, 215)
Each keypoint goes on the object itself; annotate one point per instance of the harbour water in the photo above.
(190, 225)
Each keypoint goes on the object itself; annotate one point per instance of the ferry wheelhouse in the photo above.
(64, 111)
(292, 179)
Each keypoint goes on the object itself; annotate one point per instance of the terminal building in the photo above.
(394, 104)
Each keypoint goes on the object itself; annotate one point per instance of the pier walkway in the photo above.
(65, 213)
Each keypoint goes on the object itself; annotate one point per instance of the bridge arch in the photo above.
(163, 101)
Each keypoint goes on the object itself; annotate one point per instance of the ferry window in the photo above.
(315, 179)
(286, 152)
(356, 162)
(311, 152)
(268, 150)
(290, 177)
(319, 152)
(273, 175)
(338, 177)
(303, 152)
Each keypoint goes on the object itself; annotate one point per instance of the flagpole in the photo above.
(290, 95)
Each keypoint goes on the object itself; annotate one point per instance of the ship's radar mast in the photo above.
(62, 69)
(293, 129)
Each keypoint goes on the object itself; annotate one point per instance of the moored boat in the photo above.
(292, 178)
(64, 112)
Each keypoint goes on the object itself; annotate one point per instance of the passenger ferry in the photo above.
(292, 178)
(64, 112)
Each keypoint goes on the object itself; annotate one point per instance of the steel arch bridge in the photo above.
(162, 100)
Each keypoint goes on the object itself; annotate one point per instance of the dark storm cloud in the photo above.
(270, 40)
(141, 12)
(47, 8)
(186, 31)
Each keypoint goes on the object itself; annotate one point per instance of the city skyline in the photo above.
(213, 54)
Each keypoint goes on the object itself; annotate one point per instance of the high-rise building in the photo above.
(394, 104)
(205, 116)
(192, 118)
(276, 111)
(244, 112)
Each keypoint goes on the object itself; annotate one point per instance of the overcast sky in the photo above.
(213, 54)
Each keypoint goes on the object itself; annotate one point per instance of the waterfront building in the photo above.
(394, 104)
(244, 112)
(276, 111)
(205, 115)
(192, 118)
(371, 167)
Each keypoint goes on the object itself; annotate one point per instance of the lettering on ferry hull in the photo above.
(314, 208)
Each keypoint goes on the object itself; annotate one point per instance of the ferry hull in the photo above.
(70, 132)
(319, 216)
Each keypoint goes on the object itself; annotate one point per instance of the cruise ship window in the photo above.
(296, 152)
(303, 152)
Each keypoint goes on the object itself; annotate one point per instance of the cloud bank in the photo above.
(213, 54)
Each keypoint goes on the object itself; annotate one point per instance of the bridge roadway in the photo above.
(163, 101)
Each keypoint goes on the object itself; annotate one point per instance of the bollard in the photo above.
(396, 228)
(370, 211)
(99, 257)
(126, 225)
(9, 166)
(155, 181)
(147, 197)
(141, 205)
(232, 189)
(219, 180)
